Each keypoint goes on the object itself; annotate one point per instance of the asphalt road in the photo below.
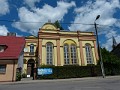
(97, 83)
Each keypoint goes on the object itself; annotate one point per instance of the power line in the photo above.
(41, 22)
(13, 21)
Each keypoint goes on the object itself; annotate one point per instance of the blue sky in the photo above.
(25, 17)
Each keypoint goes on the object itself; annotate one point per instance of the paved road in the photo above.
(97, 83)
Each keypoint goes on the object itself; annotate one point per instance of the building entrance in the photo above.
(30, 68)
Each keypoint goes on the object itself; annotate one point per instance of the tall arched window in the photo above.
(70, 53)
(66, 54)
(73, 54)
(89, 56)
(49, 52)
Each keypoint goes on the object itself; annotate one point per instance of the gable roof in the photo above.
(14, 45)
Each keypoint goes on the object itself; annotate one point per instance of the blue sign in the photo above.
(44, 71)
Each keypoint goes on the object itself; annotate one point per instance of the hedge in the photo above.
(111, 69)
(71, 71)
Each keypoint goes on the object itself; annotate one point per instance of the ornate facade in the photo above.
(59, 47)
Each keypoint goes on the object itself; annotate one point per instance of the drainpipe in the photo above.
(13, 70)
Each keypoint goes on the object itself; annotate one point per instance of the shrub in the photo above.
(18, 76)
(24, 75)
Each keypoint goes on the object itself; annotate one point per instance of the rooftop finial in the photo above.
(49, 21)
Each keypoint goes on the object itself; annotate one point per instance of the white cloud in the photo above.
(88, 12)
(4, 7)
(31, 3)
(3, 30)
(109, 42)
(54, 13)
(43, 14)
(117, 24)
(110, 34)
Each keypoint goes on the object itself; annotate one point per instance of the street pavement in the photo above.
(89, 83)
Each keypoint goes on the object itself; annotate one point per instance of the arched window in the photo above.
(66, 54)
(73, 54)
(89, 56)
(49, 52)
(31, 48)
(70, 53)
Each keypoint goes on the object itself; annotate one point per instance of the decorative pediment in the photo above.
(49, 26)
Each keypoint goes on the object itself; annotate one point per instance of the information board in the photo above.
(44, 71)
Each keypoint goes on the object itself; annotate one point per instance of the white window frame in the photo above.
(89, 55)
(66, 54)
(49, 53)
(2, 68)
(70, 54)
(31, 47)
(73, 54)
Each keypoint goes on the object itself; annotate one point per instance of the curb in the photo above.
(59, 80)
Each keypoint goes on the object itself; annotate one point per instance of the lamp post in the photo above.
(98, 46)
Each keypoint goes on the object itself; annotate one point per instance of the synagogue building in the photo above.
(58, 47)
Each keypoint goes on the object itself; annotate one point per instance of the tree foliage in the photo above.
(110, 61)
(108, 57)
(58, 25)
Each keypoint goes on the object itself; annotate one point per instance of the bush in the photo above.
(24, 75)
(71, 71)
(18, 76)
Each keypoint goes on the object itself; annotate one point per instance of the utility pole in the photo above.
(98, 46)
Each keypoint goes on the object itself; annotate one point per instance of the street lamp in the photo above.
(98, 46)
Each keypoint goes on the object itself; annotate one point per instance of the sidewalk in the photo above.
(29, 80)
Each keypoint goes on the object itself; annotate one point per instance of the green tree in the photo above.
(58, 25)
(111, 62)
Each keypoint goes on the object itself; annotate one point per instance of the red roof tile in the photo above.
(14, 45)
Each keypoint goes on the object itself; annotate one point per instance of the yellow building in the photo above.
(59, 47)
(30, 55)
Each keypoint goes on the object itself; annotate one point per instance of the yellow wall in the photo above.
(43, 55)
(62, 41)
(28, 46)
(25, 69)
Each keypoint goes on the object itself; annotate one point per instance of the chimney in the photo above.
(11, 34)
